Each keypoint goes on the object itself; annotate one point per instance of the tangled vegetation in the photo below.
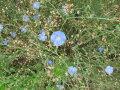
(60, 44)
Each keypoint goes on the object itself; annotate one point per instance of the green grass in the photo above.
(97, 24)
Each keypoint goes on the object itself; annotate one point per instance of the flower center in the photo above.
(58, 38)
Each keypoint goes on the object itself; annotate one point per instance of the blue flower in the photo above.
(109, 70)
(35, 16)
(50, 62)
(5, 42)
(64, 10)
(23, 29)
(36, 5)
(25, 18)
(13, 34)
(101, 49)
(60, 87)
(1, 27)
(58, 38)
(72, 70)
(42, 37)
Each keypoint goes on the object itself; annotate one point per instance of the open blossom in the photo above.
(13, 34)
(72, 70)
(109, 70)
(101, 49)
(60, 87)
(23, 29)
(50, 62)
(42, 37)
(58, 38)
(64, 10)
(25, 18)
(36, 16)
(5, 42)
(36, 5)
